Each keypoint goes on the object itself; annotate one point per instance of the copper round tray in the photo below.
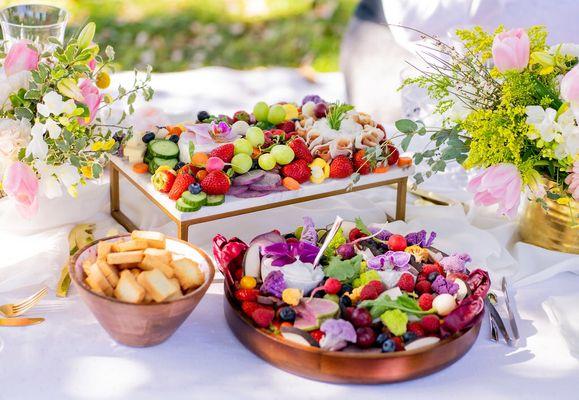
(346, 367)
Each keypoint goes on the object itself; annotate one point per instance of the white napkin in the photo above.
(563, 312)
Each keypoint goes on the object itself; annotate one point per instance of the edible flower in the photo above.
(291, 296)
(21, 184)
(420, 254)
(419, 238)
(320, 170)
(455, 262)
(309, 234)
(221, 132)
(338, 333)
(273, 284)
(20, 57)
(442, 285)
(380, 234)
(397, 260)
(287, 253)
(91, 98)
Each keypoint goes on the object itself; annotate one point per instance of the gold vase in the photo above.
(554, 228)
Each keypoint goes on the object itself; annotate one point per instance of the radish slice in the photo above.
(250, 194)
(249, 178)
(235, 190)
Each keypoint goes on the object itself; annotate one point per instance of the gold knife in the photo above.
(20, 321)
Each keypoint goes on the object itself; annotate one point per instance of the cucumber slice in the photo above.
(194, 200)
(184, 207)
(215, 199)
(161, 148)
(162, 161)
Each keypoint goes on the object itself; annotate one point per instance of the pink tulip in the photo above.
(21, 184)
(20, 57)
(573, 181)
(511, 50)
(92, 64)
(92, 99)
(570, 85)
(499, 184)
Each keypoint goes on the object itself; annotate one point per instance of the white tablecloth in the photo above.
(71, 356)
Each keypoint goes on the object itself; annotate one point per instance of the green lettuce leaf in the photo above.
(343, 270)
(395, 321)
(403, 303)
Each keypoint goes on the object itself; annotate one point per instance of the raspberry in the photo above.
(246, 294)
(425, 301)
(416, 328)
(430, 268)
(249, 307)
(263, 316)
(317, 335)
(377, 285)
(332, 286)
(406, 282)
(368, 293)
(423, 287)
(430, 323)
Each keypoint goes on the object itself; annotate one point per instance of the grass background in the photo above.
(178, 35)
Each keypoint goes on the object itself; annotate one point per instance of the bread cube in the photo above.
(128, 289)
(103, 250)
(136, 272)
(140, 281)
(129, 245)
(97, 278)
(127, 266)
(157, 285)
(177, 294)
(148, 265)
(188, 273)
(86, 265)
(158, 255)
(125, 257)
(154, 239)
(93, 285)
(109, 272)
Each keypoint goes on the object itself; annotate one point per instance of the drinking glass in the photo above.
(34, 23)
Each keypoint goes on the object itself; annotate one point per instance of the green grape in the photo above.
(261, 111)
(241, 163)
(276, 114)
(242, 146)
(255, 136)
(283, 154)
(266, 161)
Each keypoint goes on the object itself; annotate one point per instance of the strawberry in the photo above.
(287, 126)
(188, 169)
(246, 294)
(301, 149)
(263, 316)
(249, 307)
(216, 182)
(341, 167)
(362, 165)
(163, 180)
(393, 155)
(181, 184)
(298, 169)
(225, 152)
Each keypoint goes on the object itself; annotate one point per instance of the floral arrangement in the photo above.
(55, 128)
(372, 289)
(509, 105)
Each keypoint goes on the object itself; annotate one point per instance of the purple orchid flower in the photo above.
(397, 260)
(384, 235)
(221, 132)
(273, 284)
(455, 262)
(309, 234)
(442, 285)
(419, 238)
(287, 253)
(312, 97)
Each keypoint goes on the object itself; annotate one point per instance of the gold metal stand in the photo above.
(183, 225)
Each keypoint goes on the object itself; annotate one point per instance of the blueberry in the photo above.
(432, 276)
(147, 137)
(346, 288)
(388, 346)
(287, 314)
(174, 138)
(320, 294)
(409, 337)
(202, 116)
(345, 301)
(195, 188)
(381, 338)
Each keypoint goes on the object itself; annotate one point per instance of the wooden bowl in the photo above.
(141, 325)
(346, 367)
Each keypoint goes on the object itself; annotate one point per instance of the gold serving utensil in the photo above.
(20, 321)
(16, 309)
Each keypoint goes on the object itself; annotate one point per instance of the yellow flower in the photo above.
(355, 295)
(563, 200)
(87, 171)
(291, 111)
(97, 146)
(103, 80)
(108, 144)
(545, 60)
(419, 253)
(320, 170)
(291, 296)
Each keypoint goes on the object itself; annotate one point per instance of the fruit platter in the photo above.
(354, 304)
(276, 154)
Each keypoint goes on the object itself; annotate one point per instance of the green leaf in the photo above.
(338, 240)
(132, 97)
(96, 170)
(384, 302)
(439, 166)
(32, 95)
(418, 157)
(362, 226)
(74, 160)
(406, 142)
(343, 270)
(406, 126)
(23, 113)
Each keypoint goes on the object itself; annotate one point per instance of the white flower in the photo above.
(53, 128)
(53, 104)
(11, 84)
(568, 49)
(459, 111)
(569, 143)
(14, 135)
(50, 187)
(543, 121)
(67, 174)
(37, 146)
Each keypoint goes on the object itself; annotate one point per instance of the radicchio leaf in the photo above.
(479, 283)
(229, 256)
(464, 316)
